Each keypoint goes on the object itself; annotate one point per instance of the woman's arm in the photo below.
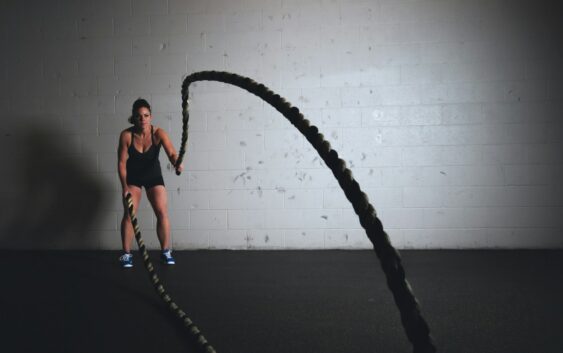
(122, 157)
(169, 148)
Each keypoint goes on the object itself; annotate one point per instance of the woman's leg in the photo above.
(127, 233)
(158, 199)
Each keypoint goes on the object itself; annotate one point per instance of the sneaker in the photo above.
(166, 257)
(126, 260)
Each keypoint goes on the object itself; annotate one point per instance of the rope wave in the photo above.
(415, 326)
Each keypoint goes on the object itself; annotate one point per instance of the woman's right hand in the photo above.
(125, 192)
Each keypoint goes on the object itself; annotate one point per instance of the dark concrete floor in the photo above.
(285, 301)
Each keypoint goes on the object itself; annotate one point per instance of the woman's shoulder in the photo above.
(125, 134)
(126, 131)
(158, 131)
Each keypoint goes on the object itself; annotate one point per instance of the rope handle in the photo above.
(176, 169)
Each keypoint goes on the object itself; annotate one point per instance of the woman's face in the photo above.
(143, 117)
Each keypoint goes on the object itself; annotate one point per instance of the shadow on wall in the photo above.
(49, 197)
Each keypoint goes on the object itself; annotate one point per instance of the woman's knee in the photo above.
(161, 214)
(126, 220)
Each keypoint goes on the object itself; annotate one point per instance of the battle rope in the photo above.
(414, 324)
(197, 336)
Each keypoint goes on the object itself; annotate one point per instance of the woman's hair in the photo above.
(139, 103)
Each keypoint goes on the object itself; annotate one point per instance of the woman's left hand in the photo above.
(179, 168)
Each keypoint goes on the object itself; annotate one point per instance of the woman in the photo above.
(138, 166)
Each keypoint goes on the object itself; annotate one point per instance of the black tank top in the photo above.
(143, 165)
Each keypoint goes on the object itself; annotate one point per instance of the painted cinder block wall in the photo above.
(448, 113)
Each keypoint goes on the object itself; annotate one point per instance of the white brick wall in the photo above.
(447, 112)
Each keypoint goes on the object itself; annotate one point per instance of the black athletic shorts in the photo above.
(147, 183)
